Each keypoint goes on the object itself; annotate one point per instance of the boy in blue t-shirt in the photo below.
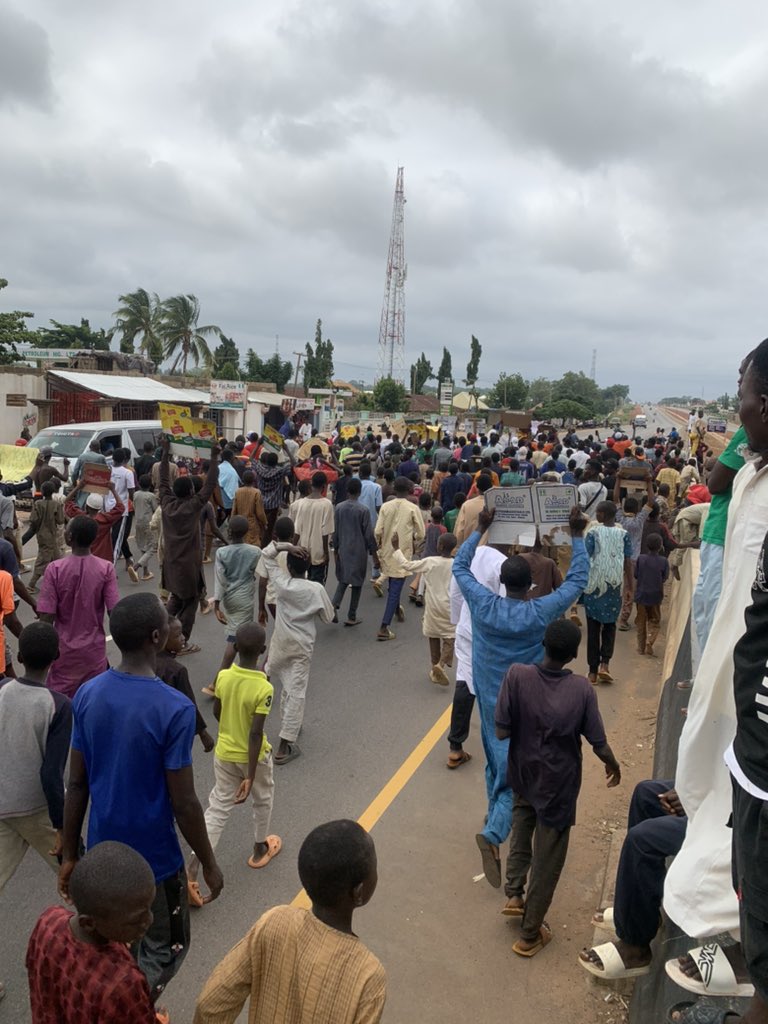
(242, 761)
(132, 759)
(651, 572)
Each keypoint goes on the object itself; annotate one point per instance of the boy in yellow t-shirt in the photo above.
(242, 762)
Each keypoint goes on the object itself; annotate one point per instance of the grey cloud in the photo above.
(25, 76)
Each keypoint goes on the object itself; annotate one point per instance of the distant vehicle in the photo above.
(584, 424)
(614, 421)
(640, 421)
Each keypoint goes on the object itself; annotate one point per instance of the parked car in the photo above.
(70, 440)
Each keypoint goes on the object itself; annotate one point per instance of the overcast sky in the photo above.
(578, 175)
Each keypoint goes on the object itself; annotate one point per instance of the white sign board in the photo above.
(520, 511)
(228, 394)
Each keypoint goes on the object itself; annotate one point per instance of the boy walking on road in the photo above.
(544, 710)
(35, 727)
(138, 780)
(437, 626)
(314, 527)
(234, 594)
(651, 572)
(299, 603)
(398, 516)
(242, 763)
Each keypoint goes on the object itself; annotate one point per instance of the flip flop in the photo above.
(207, 609)
(545, 937)
(194, 896)
(699, 1013)
(717, 975)
(146, 579)
(613, 967)
(188, 649)
(274, 846)
(457, 762)
(208, 691)
(352, 622)
(293, 753)
(491, 860)
(604, 677)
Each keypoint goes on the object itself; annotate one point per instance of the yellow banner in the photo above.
(16, 462)
(274, 437)
(186, 433)
(347, 432)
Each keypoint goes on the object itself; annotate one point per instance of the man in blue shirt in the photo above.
(132, 758)
(505, 631)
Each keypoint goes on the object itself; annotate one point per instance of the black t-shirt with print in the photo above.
(750, 681)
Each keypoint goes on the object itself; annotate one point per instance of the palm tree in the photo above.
(139, 314)
(182, 337)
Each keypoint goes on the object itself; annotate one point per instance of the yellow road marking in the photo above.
(392, 789)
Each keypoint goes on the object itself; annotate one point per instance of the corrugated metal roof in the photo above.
(137, 389)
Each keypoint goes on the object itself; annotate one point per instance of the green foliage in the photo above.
(274, 370)
(445, 371)
(14, 331)
(539, 391)
(473, 366)
(226, 356)
(183, 338)
(389, 395)
(421, 372)
(74, 336)
(509, 392)
(577, 387)
(140, 314)
(565, 409)
(318, 364)
(612, 398)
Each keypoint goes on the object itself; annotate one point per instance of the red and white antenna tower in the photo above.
(392, 329)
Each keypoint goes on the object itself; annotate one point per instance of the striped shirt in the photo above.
(295, 970)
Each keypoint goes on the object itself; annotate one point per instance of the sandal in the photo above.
(699, 1013)
(717, 975)
(274, 846)
(194, 896)
(604, 676)
(208, 691)
(293, 753)
(544, 939)
(352, 622)
(514, 907)
(189, 649)
(457, 758)
(385, 634)
(491, 860)
(613, 967)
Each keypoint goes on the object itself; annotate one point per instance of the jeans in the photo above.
(394, 592)
(540, 849)
(652, 836)
(499, 820)
(601, 639)
(354, 599)
(707, 592)
(461, 714)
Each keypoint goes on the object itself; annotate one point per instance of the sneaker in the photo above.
(133, 574)
(385, 634)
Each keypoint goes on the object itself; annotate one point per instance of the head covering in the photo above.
(610, 442)
(95, 501)
(698, 494)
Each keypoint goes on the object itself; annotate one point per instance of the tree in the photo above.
(183, 338)
(539, 391)
(445, 372)
(226, 356)
(74, 336)
(140, 315)
(421, 372)
(509, 392)
(278, 371)
(613, 397)
(564, 409)
(473, 366)
(579, 388)
(318, 363)
(389, 395)
(14, 331)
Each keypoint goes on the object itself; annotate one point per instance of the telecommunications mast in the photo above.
(391, 362)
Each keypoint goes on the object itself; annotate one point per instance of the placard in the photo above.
(521, 511)
(188, 436)
(17, 462)
(95, 478)
(715, 426)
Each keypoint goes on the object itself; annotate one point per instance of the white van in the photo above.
(640, 422)
(70, 440)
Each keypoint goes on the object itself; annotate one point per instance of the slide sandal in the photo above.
(717, 977)
(274, 846)
(613, 968)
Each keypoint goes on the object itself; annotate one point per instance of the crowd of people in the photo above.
(385, 511)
